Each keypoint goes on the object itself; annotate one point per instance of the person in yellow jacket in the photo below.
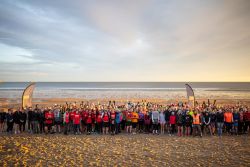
(197, 124)
(134, 121)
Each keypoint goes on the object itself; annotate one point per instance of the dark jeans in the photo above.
(246, 125)
(219, 128)
(29, 125)
(66, 128)
(10, 126)
(112, 128)
(147, 128)
(22, 126)
(99, 127)
(123, 123)
(117, 128)
(89, 128)
(76, 128)
(35, 128)
(41, 127)
(172, 128)
(228, 127)
(141, 123)
(155, 126)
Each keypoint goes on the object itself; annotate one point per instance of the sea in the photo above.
(128, 90)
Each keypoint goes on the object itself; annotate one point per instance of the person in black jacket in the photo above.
(16, 118)
(34, 121)
(10, 121)
(41, 120)
(23, 118)
(30, 113)
(2, 120)
(167, 116)
(219, 121)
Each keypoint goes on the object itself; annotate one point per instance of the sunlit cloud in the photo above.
(124, 40)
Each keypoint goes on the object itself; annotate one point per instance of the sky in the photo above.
(126, 40)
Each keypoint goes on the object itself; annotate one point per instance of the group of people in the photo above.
(131, 118)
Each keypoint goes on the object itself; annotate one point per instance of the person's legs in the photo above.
(65, 129)
(194, 130)
(199, 129)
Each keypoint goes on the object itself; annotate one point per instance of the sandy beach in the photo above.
(123, 150)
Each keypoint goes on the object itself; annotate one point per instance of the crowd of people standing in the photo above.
(131, 118)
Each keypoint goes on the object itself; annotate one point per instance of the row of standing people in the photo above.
(172, 120)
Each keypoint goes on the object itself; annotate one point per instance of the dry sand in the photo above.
(123, 150)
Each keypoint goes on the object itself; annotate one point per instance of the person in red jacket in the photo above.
(246, 118)
(76, 122)
(83, 120)
(66, 121)
(89, 122)
(49, 118)
(71, 119)
(99, 122)
(93, 120)
(105, 120)
(172, 122)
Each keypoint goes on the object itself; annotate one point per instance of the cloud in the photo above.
(124, 40)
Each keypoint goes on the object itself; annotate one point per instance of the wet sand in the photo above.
(123, 150)
(14, 102)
